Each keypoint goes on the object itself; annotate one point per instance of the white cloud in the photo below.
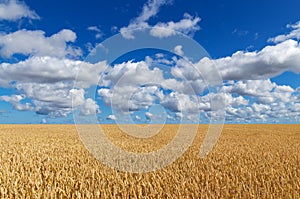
(138, 118)
(189, 87)
(169, 117)
(188, 25)
(13, 10)
(48, 82)
(263, 91)
(99, 34)
(185, 70)
(268, 101)
(125, 99)
(134, 86)
(50, 70)
(111, 117)
(283, 93)
(150, 9)
(148, 115)
(271, 61)
(179, 115)
(143, 97)
(294, 34)
(93, 28)
(179, 102)
(90, 107)
(15, 101)
(45, 83)
(178, 50)
(260, 108)
(127, 32)
(54, 100)
(130, 86)
(258, 88)
(134, 73)
(38, 44)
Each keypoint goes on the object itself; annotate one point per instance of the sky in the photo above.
(57, 61)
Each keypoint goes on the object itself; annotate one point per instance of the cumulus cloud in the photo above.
(48, 82)
(257, 88)
(294, 34)
(135, 86)
(178, 50)
(131, 90)
(271, 61)
(185, 70)
(38, 44)
(44, 82)
(111, 117)
(266, 63)
(90, 107)
(15, 101)
(266, 101)
(178, 102)
(131, 86)
(138, 118)
(150, 9)
(148, 115)
(50, 70)
(134, 73)
(13, 10)
(54, 100)
(263, 91)
(188, 25)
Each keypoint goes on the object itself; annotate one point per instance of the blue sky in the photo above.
(254, 46)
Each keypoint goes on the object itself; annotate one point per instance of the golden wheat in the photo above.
(249, 161)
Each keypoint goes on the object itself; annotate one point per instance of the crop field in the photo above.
(249, 161)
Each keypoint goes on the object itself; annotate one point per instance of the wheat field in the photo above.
(249, 161)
